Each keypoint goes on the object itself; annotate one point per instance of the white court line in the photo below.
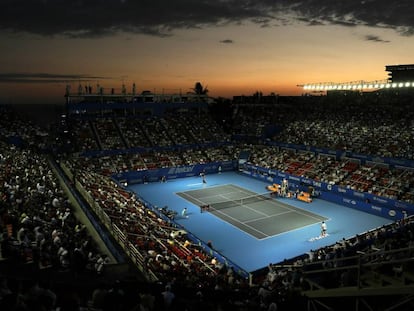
(284, 206)
(260, 218)
(245, 206)
(237, 220)
(189, 195)
(297, 210)
(196, 184)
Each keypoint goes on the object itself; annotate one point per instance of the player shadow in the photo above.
(333, 232)
(177, 217)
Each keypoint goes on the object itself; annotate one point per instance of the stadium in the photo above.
(99, 196)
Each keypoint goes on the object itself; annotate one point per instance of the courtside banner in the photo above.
(340, 154)
(154, 175)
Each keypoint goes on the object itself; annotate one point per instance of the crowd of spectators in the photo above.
(37, 220)
(379, 254)
(39, 229)
(39, 226)
(121, 133)
(366, 125)
(376, 178)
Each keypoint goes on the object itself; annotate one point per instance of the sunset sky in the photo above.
(233, 47)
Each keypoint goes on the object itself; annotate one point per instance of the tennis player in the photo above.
(324, 228)
(203, 176)
(184, 213)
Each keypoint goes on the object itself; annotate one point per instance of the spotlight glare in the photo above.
(361, 86)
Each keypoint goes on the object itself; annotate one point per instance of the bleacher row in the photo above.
(162, 254)
(128, 133)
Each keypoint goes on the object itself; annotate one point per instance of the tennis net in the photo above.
(240, 201)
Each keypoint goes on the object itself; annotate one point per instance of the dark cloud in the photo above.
(97, 18)
(227, 41)
(375, 39)
(46, 78)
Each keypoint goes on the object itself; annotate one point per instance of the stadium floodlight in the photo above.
(357, 85)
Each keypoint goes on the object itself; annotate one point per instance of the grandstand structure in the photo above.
(400, 73)
(112, 139)
(98, 100)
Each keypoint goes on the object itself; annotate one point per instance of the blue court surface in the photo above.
(246, 250)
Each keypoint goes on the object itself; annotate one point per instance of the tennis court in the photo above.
(259, 215)
(244, 249)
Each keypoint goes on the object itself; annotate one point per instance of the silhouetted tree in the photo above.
(199, 89)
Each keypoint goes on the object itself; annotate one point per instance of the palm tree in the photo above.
(199, 89)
